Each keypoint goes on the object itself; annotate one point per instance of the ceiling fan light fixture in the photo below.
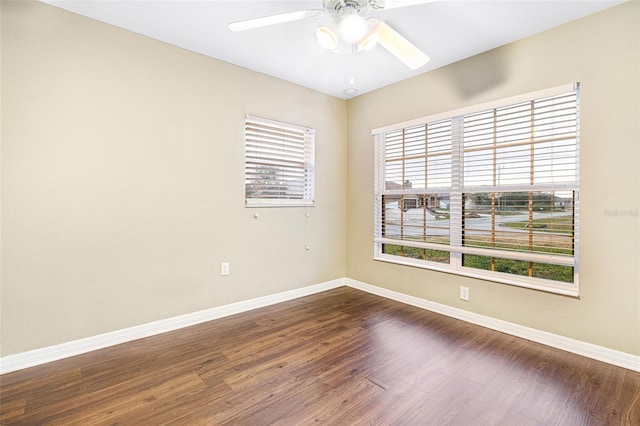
(350, 91)
(353, 27)
(369, 41)
(327, 37)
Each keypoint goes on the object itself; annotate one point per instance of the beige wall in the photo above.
(601, 52)
(123, 187)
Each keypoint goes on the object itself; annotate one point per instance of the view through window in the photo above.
(490, 192)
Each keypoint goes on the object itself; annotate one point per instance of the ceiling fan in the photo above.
(346, 28)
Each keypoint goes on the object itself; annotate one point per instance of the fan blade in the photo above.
(392, 4)
(280, 18)
(400, 47)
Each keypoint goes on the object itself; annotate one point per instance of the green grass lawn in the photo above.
(520, 267)
(417, 253)
(560, 225)
(510, 266)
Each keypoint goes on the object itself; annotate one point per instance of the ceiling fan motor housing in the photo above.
(342, 6)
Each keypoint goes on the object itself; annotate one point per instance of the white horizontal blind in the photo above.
(419, 157)
(523, 158)
(279, 163)
(491, 192)
(531, 143)
(417, 170)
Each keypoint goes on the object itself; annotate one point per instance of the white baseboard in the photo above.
(600, 353)
(64, 350)
(52, 353)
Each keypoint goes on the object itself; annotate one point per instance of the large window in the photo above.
(279, 163)
(489, 192)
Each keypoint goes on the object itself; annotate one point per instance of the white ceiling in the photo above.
(447, 31)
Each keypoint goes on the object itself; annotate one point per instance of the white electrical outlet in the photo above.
(464, 293)
(224, 268)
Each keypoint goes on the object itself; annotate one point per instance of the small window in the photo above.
(279, 163)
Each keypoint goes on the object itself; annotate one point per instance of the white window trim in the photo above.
(455, 247)
(558, 90)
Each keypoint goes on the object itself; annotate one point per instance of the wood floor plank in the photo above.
(628, 405)
(13, 409)
(341, 357)
(385, 407)
(261, 401)
(444, 404)
(102, 406)
(37, 380)
(292, 335)
(603, 389)
(335, 404)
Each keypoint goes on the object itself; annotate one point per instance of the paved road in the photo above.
(414, 217)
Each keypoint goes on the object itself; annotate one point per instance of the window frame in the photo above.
(293, 168)
(456, 191)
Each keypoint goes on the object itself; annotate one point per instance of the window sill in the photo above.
(278, 203)
(497, 277)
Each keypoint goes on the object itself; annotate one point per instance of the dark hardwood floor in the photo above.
(341, 357)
